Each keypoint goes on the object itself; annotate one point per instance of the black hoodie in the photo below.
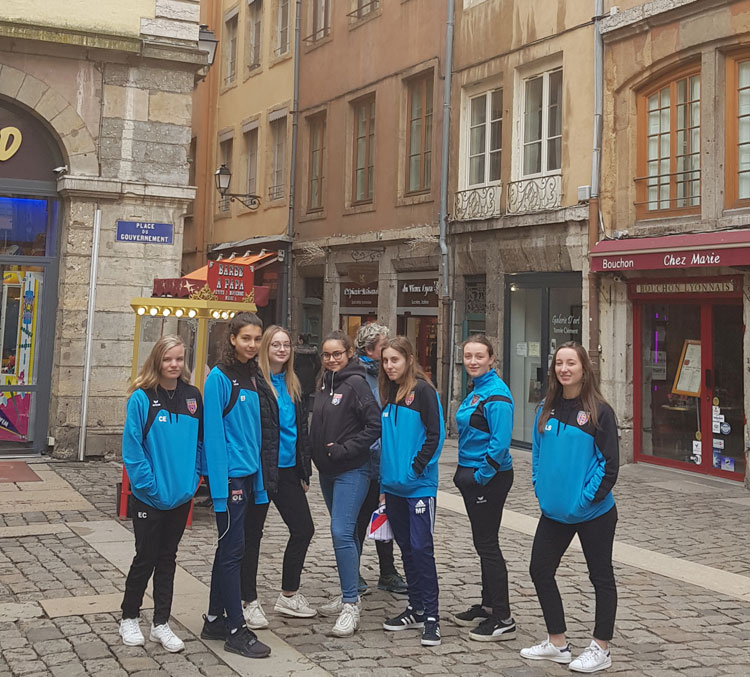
(345, 420)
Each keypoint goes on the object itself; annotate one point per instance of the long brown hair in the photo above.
(228, 353)
(413, 371)
(290, 377)
(148, 376)
(591, 397)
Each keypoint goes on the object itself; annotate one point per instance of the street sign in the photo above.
(144, 232)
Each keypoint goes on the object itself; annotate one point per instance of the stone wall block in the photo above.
(11, 80)
(127, 103)
(71, 352)
(83, 164)
(110, 147)
(165, 173)
(116, 297)
(31, 91)
(170, 108)
(166, 28)
(79, 142)
(181, 10)
(50, 104)
(67, 121)
(150, 78)
(72, 296)
(160, 152)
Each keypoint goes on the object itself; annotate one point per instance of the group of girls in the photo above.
(253, 445)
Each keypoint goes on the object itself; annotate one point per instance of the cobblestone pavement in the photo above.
(664, 626)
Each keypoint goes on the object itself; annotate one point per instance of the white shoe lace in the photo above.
(297, 601)
(592, 654)
(130, 626)
(348, 615)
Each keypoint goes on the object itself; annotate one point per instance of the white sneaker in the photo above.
(348, 621)
(546, 651)
(131, 633)
(332, 607)
(593, 659)
(254, 616)
(164, 635)
(295, 606)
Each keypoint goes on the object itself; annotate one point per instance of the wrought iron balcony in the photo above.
(534, 195)
(477, 203)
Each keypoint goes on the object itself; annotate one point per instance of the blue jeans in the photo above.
(344, 495)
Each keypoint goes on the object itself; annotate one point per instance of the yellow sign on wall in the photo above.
(10, 142)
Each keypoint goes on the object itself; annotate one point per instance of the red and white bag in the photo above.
(380, 528)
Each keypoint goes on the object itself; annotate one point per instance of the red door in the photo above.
(688, 384)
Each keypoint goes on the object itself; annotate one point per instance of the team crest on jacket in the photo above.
(583, 418)
(192, 405)
(474, 400)
(409, 399)
(336, 399)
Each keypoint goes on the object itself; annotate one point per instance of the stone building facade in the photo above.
(101, 97)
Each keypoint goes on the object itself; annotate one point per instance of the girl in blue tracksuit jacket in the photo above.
(575, 460)
(161, 450)
(484, 476)
(412, 438)
(233, 442)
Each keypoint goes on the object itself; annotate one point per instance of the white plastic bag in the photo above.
(380, 527)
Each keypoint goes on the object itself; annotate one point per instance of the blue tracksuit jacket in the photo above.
(232, 431)
(574, 465)
(161, 445)
(485, 427)
(412, 438)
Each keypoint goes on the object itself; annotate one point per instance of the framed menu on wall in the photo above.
(687, 381)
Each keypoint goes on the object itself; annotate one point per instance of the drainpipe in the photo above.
(89, 334)
(286, 306)
(448, 337)
(594, 207)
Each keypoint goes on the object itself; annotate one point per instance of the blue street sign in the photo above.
(143, 232)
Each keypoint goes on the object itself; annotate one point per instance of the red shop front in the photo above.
(688, 333)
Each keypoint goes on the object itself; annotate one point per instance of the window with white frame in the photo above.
(282, 29)
(484, 138)
(254, 26)
(321, 20)
(225, 154)
(364, 7)
(251, 152)
(278, 168)
(542, 124)
(230, 49)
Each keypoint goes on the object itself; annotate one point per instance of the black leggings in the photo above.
(550, 543)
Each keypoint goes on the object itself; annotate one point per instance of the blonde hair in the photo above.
(148, 376)
(290, 377)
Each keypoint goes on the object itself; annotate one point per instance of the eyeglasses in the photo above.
(281, 346)
(333, 356)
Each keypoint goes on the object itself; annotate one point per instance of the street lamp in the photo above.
(207, 43)
(223, 178)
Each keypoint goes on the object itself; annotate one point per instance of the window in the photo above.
(363, 150)
(225, 153)
(254, 23)
(317, 127)
(419, 134)
(230, 50)
(278, 169)
(282, 34)
(364, 7)
(485, 137)
(542, 124)
(321, 26)
(251, 151)
(738, 132)
(669, 130)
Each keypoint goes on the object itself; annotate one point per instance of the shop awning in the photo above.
(673, 252)
(183, 287)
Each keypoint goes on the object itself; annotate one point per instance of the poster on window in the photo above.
(687, 381)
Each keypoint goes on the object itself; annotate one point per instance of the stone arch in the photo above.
(74, 138)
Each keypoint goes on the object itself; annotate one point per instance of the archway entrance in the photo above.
(29, 219)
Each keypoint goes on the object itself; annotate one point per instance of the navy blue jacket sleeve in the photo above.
(608, 444)
(429, 412)
(499, 415)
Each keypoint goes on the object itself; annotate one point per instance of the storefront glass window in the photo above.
(525, 377)
(26, 227)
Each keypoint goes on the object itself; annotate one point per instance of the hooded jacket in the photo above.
(574, 465)
(485, 427)
(372, 370)
(346, 417)
(413, 433)
(271, 437)
(162, 445)
(232, 430)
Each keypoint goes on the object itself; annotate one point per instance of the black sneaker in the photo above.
(215, 629)
(431, 632)
(471, 617)
(405, 620)
(493, 630)
(246, 643)
(362, 587)
(393, 583)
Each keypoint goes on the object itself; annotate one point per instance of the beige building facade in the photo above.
(243, 118)
(95, 114)
(676, 209)
(522, 120)
(368, 170)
